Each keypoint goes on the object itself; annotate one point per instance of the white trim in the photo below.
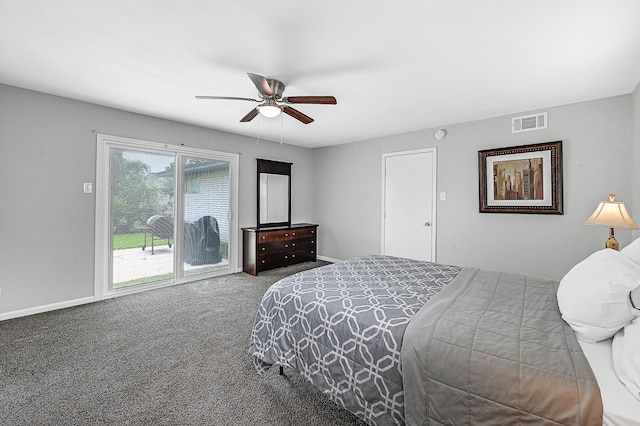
(101, 271)
(102, 233)
(178, 231)
(137, 289)
(434, 182)
(45, 308)
(329, 259)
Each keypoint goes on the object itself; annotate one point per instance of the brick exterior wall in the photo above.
(212, 199)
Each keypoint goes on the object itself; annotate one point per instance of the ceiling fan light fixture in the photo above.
(273, 104)
(270, 110)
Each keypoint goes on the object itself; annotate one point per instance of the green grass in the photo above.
(136, 240)
(125, 241)
(143, 280)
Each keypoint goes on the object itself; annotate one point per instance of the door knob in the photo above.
(427, 224)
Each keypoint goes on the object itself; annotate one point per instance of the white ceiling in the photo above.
(394, 66)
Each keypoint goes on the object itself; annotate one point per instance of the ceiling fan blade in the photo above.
(261, 84)
(250, 116)
(297, 114)
(325, 100)
(233, 98)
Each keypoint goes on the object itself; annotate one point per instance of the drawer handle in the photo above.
(312, 241)
(286, 235)
(293, 255)
(293, 245)
(286, 245)
(286, 257)
(313, 232)
(263, 261)
(312, 251)
(293, 233)
(263, 248)
(264, 236)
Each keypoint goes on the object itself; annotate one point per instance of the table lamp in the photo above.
(612, 214)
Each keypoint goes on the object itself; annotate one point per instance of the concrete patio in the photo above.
(135, 263)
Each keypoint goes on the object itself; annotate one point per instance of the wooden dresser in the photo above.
(269, 248)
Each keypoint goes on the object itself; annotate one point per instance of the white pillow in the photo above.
(633, 250)
(626, 356)
(593, 295)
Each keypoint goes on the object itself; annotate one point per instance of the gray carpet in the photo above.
(174, 356)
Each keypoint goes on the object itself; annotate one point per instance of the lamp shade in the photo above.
(612, 214)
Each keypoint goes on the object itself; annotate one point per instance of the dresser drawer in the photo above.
(276, 247)
(287, 246)
(303, 243)
(303, 232)
(286, 258)
(269, 236)
(304, 255)
(275, 260)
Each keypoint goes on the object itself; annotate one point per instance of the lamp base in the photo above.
(612, 243)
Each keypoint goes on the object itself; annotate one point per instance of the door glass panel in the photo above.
(206, 215)
(142, 213)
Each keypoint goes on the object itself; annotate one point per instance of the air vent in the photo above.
(526, 123)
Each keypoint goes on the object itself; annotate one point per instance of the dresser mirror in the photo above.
(274, 193)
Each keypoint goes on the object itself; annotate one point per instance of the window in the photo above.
(193, 185)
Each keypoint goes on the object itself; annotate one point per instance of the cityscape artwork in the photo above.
(521, 179)
(518, 179)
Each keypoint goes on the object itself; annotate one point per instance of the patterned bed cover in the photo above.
(488, 348)
(341, 326)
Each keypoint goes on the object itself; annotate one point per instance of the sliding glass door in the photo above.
(142, 217)
(168, 215)
(206, 209)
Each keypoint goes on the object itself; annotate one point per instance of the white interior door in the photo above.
(408, 216)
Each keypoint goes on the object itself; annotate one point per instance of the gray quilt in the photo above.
(488, 348)
(492, 349)
(341, 326)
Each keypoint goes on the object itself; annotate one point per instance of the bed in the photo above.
(397, 341)
(620, 407)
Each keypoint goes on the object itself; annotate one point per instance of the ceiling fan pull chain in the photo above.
(281, 127)
(258, 132)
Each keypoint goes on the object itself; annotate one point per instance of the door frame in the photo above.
(103, 253)
(434, 179)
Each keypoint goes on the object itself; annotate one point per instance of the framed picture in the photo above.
(521, 179)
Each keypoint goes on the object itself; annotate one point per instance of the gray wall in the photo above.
(635, 135)
(597, 151)
(48, 149)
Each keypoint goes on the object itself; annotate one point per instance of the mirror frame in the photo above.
(274, 168)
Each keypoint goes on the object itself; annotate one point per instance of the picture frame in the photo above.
(521, 179)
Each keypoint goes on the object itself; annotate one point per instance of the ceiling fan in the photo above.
(272, 103)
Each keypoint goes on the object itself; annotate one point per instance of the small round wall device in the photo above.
(440, 134)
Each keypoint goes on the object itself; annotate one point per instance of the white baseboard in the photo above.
(45, 308)
(328, 259)
(76, 302)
